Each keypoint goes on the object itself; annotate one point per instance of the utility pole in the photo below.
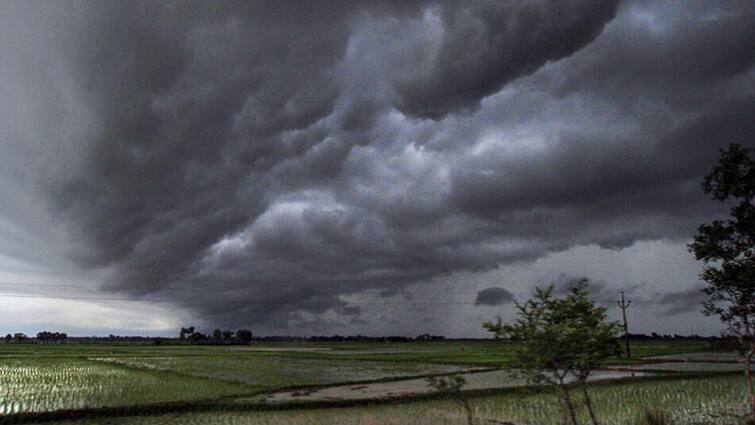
(623, 304)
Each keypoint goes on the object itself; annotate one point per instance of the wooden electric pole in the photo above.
(623, 304)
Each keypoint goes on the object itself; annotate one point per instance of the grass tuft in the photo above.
(655, 416)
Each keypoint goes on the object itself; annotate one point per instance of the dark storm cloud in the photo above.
(683, 301)
(604, 293)
(487, 44)
(255, 162)
(696, 46)
(493, 296)
(565, 284)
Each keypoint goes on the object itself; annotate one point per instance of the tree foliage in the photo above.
(559, 335)
(727, 249)
(244, 335)
(47, 336)
(559, 340)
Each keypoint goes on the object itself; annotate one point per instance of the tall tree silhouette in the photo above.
(727, 248)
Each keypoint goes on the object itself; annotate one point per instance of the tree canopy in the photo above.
(727, 249)
(560, 339)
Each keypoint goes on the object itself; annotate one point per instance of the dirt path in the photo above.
(475, 381)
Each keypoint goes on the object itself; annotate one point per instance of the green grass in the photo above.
(643, 349)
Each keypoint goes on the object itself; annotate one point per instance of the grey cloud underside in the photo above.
(684, 301)
(488, 44)
(493, 296)
(255, 161)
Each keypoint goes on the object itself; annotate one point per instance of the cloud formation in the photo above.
(486, 44)
(493, 296)
(257, 164)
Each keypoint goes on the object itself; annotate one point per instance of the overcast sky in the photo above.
(359, 167)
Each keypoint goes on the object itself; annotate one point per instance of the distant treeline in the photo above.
(654, 335)
(244, 336)
(364, 338)
(44, 336)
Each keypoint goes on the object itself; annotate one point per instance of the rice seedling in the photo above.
(265, 372)
(35, 385)
(694, 401)
(47, 378)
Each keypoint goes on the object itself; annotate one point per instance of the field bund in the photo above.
(476, 381)
(63, 381)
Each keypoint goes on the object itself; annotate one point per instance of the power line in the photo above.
(324, 302)
(49, 285)
(353, 291)
(377, 291)
(324, 290)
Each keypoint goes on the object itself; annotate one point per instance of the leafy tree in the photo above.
(560, 340)
(8, 338)
(453, 385)
(47, 336)
(727, 249)
(593, 338)
(217, 334)
(185, 332)
(227, 334)
(197, 336)
(245, 335)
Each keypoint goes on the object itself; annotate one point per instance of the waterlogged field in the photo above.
(268, 372)
(44, 384)
(488, 353)
(216, 384)
(694, 401)
(43, 378)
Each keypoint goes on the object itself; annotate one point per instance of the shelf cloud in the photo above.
(256, 163)
(493, 296)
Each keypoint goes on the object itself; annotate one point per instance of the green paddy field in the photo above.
(154, 384)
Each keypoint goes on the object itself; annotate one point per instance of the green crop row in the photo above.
(689, 401)
(38, 385)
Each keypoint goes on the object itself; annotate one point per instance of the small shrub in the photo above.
(655, 417)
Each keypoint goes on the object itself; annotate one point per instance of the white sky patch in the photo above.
(34, 298)
(79, 317)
